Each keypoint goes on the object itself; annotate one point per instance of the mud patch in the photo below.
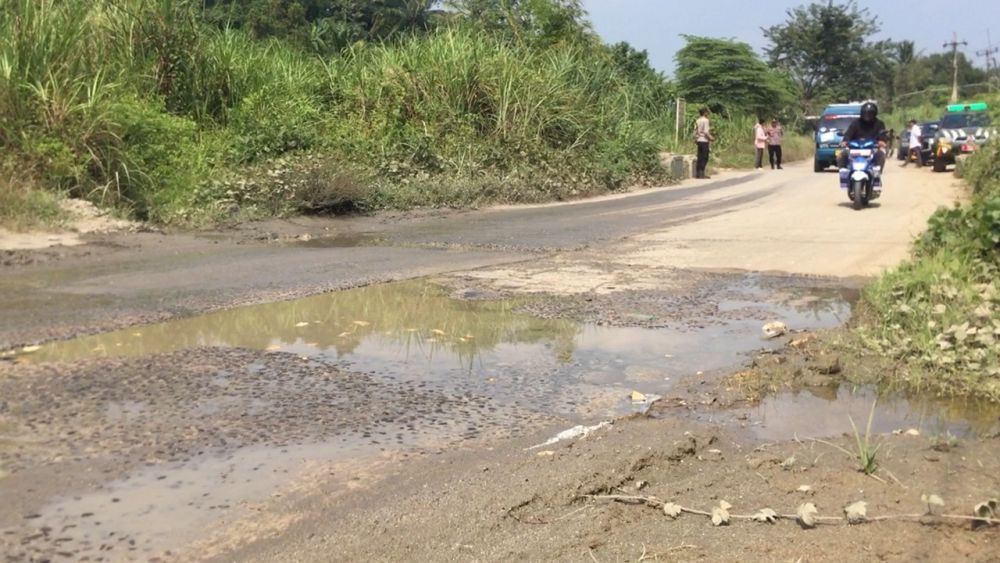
(200, 432)
(512, 507)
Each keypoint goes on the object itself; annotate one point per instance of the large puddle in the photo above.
(412, 331)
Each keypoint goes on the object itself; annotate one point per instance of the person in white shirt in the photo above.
(915, 144)
(702, 137)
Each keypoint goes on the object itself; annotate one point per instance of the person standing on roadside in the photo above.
(775, 136)
(703, 138)
(916, 135)
(759, 142)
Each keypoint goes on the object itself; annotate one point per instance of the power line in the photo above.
(955, 44)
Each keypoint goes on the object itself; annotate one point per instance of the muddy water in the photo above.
(829, 411)
(412, 331)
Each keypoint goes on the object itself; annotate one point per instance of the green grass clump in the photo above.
(24, 207)
(939, 312)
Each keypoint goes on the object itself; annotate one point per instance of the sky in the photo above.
(656, 25)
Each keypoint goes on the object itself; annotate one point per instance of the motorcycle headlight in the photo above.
(859, 165)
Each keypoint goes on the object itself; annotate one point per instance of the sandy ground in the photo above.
(802, 225)
(82, 218)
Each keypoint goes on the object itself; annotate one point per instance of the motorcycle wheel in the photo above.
(858, 194)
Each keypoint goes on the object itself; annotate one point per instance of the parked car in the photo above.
(963, 128)
(928, 130)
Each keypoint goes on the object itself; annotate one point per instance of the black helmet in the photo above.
(869, 111)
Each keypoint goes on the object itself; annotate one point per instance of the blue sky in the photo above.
(656, 25)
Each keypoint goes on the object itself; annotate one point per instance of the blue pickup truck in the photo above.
(830, 128)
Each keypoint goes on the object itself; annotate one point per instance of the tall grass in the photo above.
(140, 104)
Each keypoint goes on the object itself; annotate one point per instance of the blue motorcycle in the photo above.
(863, 183)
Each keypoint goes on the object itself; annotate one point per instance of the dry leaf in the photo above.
(774, 329)
(931, 501)
(986, 509)
(638, 397)
(856, 512)
(720, 516)
(302, 324)
(724, 505)
(806, 514)
(273, 348)
(31, 349)
(804, 489)
(672, 510)
(765, 515)
(362, 323)
(438, 332)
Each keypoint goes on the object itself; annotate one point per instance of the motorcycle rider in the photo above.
(867, 127)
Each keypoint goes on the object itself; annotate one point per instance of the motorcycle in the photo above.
(863, 184)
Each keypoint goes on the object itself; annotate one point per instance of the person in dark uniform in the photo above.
(868, 127)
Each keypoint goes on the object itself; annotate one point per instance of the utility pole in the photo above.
(988, 53)
(954, 44)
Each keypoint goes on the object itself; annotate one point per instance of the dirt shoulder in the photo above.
(511, 503)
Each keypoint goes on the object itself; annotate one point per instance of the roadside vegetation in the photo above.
(939, 313)
(186, 113)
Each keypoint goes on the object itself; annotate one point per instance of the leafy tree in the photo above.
(323, 25)
(828, 50)
(940, 66)
(529, 21)
(729, 77)
(905, 52)
(928, 79)
(650, 84)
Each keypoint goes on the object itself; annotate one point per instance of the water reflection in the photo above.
(827, 411)
(411, 319)
(412, 331)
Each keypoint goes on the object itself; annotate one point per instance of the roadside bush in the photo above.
(326, 185)
(160, 159)
(275, 121)
(940, 312)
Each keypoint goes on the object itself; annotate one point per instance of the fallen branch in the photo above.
(659, 504)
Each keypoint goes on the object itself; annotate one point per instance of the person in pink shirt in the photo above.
(759, 142)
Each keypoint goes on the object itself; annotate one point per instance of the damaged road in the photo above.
(263, 393)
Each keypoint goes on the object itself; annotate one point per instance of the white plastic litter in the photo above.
(578, 431)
